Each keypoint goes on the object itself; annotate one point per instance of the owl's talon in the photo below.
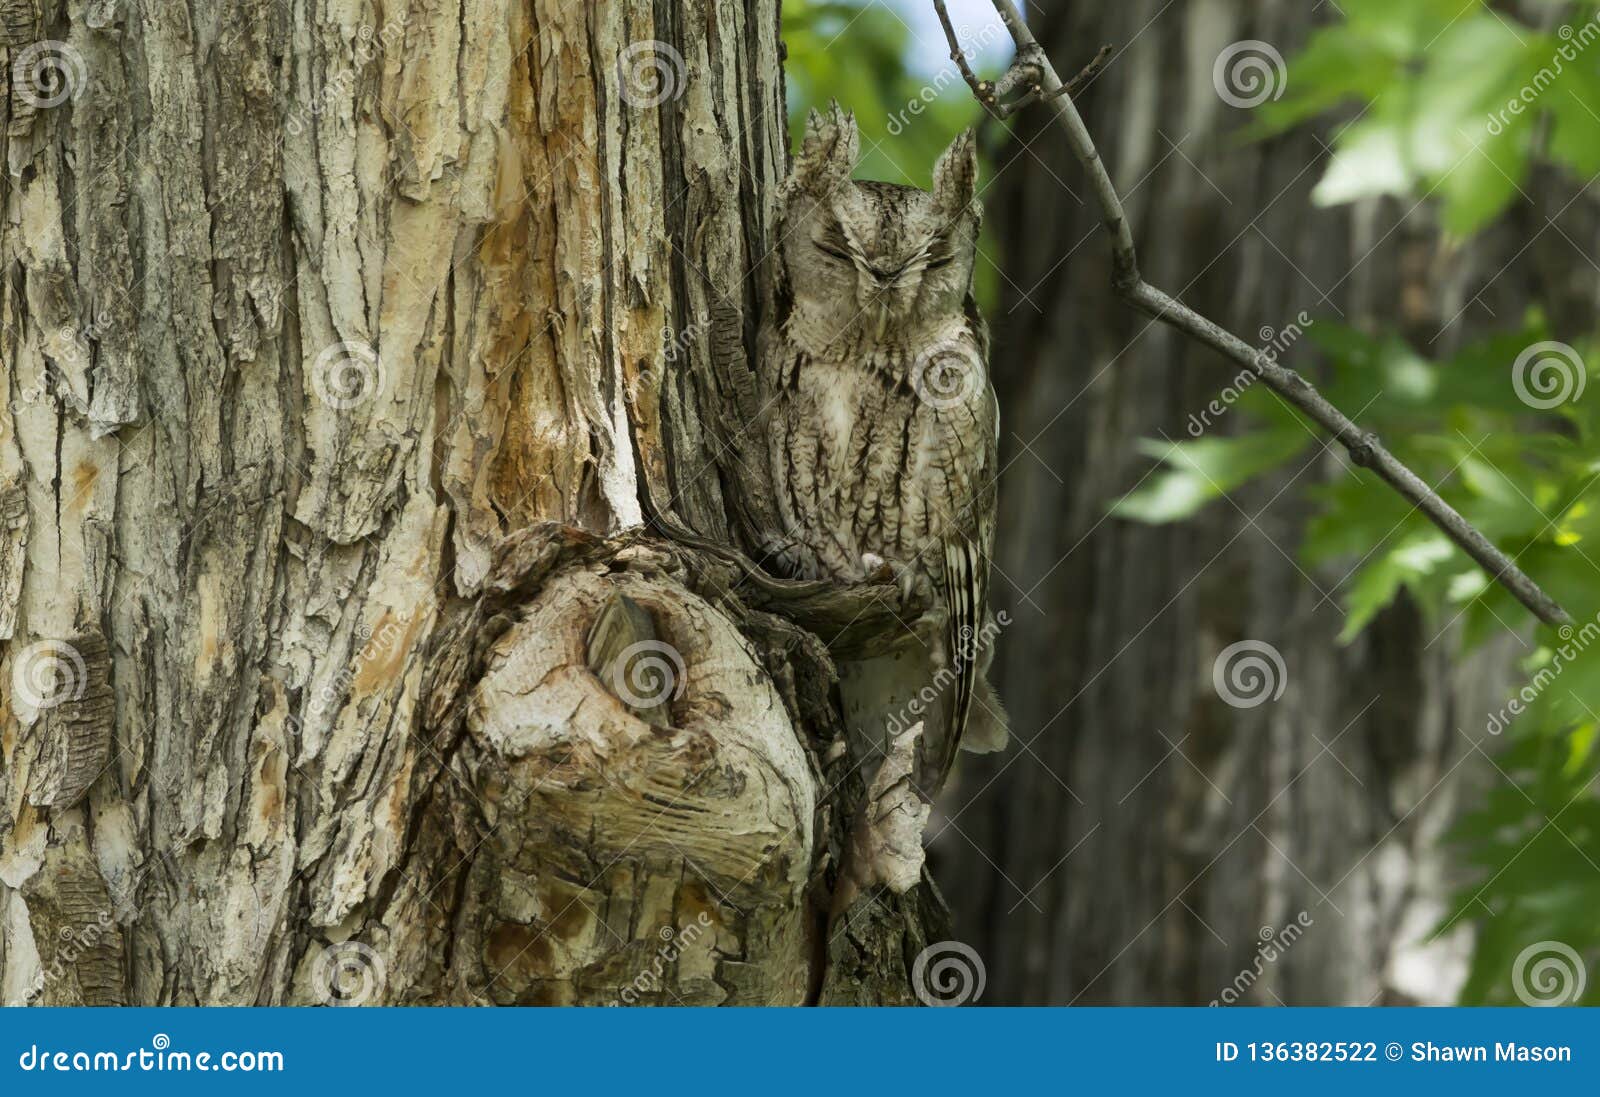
(875, 569)
(911, 583)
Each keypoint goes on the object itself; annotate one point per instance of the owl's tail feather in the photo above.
(885, 695)
(988, 727)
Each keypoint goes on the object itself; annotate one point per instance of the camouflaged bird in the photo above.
(883, 429)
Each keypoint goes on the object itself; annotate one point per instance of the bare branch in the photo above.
(1088, 72)
(1032, 72)
(982, 89)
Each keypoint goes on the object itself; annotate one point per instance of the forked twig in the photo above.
(1032, 73)
(1088, 72)
(989, 93)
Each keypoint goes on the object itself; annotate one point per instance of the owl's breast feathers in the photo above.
(883, 449)
(889, 451)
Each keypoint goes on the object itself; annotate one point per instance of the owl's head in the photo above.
(876, 261)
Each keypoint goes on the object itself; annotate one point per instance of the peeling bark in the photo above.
(346, 347)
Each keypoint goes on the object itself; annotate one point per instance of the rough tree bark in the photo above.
(1143, 837)
(350, 350)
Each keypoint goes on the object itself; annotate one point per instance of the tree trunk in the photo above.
(347, 347)
(1143, 842)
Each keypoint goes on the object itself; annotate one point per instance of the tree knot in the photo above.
(1364, 451)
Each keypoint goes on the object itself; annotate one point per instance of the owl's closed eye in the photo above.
(882, 258)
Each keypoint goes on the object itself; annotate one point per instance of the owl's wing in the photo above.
(966, 573)
(977, 325)
(963, 602)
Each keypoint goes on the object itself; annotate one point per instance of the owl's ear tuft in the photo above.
(955, 176)
(828, 153)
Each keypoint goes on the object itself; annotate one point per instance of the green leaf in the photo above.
(1575, 112)
(1376, 583)
(1200, 472)
(1450, 95)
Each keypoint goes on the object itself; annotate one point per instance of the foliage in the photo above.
(1434, 80)
(1457, 102)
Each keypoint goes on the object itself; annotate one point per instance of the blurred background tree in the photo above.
(1394, 195)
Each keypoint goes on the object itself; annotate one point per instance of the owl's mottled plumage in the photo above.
(883, 426)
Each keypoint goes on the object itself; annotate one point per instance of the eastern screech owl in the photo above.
(883, 428)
